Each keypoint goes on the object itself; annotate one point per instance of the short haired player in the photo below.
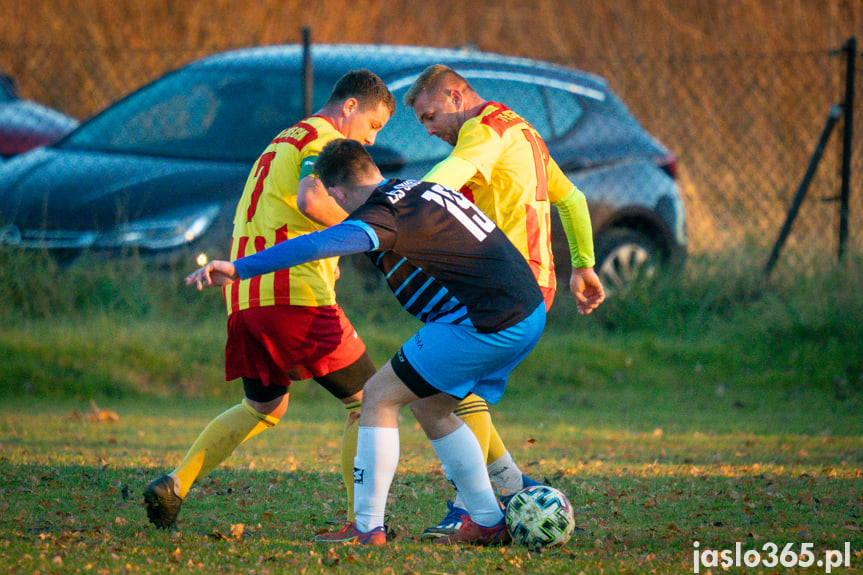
(501, 163)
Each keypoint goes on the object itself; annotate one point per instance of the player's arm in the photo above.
(477, 151)
(452, 172)
(315, 203)
(575, 218)
(347, 238)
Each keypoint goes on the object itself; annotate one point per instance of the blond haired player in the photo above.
(501, 163)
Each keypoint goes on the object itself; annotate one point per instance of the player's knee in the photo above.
(269, 401)
(269, 413)
(415, 409)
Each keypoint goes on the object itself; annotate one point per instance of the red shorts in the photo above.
(277, 344)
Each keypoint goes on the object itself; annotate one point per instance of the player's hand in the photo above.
(215, 273)
(587, 289)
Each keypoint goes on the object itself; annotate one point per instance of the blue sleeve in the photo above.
(348, 237)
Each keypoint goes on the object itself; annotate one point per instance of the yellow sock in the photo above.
(218, 441)
(496, 448)
(473, 410)
(349, 451)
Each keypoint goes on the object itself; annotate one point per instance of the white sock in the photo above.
(464, 464)
(459, 500)
(506, 475)
(374, 469)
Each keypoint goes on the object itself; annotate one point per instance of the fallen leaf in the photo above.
(99, 415)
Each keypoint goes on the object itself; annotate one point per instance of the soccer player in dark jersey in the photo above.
(453, 268)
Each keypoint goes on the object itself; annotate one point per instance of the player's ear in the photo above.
(350, 106)
(456, 97)
(337, 193)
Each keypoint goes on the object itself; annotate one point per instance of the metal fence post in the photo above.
(832, 118)
(308, 73)
(848, 105)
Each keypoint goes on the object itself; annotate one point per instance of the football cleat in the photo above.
(163, 504)
(473, 534)
(454, 519)
(350, 535)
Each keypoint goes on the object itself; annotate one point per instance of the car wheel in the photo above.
(624, 256)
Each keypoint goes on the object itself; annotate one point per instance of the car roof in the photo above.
(391, 61)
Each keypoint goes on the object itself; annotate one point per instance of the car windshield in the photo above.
(209, 114)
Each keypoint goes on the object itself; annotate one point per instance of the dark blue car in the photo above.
(160, 171)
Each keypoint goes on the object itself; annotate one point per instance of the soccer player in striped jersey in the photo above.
(286, 325)
(501, 163)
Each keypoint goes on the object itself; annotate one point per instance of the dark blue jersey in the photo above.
(444, 259)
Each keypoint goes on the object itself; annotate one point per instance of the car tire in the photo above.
(624, 256)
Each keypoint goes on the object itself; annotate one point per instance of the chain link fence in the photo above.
(742, 115)
(745, 127)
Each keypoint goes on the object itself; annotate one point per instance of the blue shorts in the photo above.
(459, 360)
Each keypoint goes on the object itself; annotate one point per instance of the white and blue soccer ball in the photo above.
(540, 516)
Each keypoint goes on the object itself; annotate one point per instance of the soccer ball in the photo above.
(539, 517)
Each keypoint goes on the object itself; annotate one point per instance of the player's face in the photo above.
(439, 114)
(363, 125)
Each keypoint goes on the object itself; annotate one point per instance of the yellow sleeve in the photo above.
(452, 172)
(575, 218)
(559, 185)
(572, 207)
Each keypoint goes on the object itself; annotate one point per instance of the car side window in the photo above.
(551, 111)
(524, 99)
(564, 110)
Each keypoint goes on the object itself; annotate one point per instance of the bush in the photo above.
(114, 327)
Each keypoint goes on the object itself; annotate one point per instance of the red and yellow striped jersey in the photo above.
(516, 178)
(267, 214)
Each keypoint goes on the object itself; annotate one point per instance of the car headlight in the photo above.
(46, 239)
(168, 230)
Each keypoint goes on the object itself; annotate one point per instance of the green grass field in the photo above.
(710, 411)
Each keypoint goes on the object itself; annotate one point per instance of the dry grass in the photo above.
(740, 90)
(590, 35)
